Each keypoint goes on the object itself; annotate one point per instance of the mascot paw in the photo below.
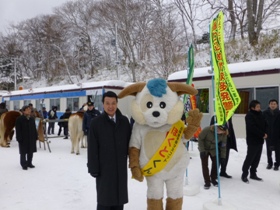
(193, 120)
(137, 174)
(194, 117)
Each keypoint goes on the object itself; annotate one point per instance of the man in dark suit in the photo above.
(231, 144)
(27, 135)
(256, 132)
(270, 114)
(108, 140)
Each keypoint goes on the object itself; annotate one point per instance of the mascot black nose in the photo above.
(156, 114)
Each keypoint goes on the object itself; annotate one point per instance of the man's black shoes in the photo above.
(255, 177)
(224, 174)
(269, 166)
(207, 186)
(214, 183)
(245, 179)
(24, 168)
(31, 166)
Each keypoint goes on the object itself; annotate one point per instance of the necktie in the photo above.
(113, 119)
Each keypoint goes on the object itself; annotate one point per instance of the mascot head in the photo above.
(157, 102)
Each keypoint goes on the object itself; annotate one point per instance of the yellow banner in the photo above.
(166, 150)
(227, 97)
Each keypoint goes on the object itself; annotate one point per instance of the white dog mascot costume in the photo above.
(156, 150)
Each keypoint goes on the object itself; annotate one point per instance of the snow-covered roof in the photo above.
(252, 66)
(2, 92)
(78, 86)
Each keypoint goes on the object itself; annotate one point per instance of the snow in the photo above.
(260, 65)
(60, 181)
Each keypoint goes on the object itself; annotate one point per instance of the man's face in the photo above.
(273, 105)
(257, 108)
(90, 107)
(110, 106)
(27, 111)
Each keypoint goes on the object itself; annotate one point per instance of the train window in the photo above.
(73, 104)
(38, 105)
(55, 102)
(98, 103)
(246, 95)
(16, 105)
(202, 100)
(7, 104)
(264, 94)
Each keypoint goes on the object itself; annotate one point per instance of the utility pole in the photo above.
(117, 59)
(15, 73)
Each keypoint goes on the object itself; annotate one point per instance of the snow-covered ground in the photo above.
(60, 182)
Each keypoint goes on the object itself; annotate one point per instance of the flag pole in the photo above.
(189, 190)
(190, 58)
(214, 111)
(225, 96)
(215, 128)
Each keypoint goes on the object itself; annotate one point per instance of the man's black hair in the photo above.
(25, 107)
(273, 100)
(110, 94)
(253, 104)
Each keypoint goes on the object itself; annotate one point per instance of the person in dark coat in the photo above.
(88, 116)
(44, 113)
(3, 108)
(60, 125)
(276, 138)
(231, 144)
(256, 132)
(108, 140)
(33, 110)
(52, 116)
(270, 115)
(64, 124)
(207, 148)
(26, 134)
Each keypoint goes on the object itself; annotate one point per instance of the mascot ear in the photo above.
(181, 88)
(132, 89)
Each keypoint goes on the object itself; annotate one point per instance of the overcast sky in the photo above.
(14, 11)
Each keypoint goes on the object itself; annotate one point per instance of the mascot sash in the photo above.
(166, 150)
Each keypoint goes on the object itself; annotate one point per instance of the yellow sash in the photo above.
(165, 152)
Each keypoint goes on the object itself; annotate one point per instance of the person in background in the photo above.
(65, 116)
(270, 115)
(207, 148)
(33, 110)
(256, 132)
(60, 125)
(26, 134)
(52, 116)
(108, 140)
(44, 113)
(88, 116)
(276, 139)
(3, 108)
(231, 144)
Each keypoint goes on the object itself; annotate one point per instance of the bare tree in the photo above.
(188, 9)
(255, 18)
(80, 18)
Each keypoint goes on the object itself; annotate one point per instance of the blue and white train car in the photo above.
(254, 80)
(67, 96)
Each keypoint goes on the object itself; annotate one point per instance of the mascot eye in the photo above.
(149, 104)
(162, 105)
